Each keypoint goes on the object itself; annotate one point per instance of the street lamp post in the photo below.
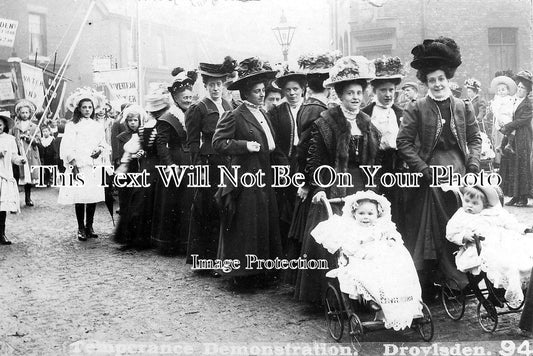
(284, 34)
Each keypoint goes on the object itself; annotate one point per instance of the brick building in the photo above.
(493, 34)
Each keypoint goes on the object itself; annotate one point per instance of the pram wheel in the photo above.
(424, 325)
(488, 316)
(333, 312)
(453, 299)
(356, 331)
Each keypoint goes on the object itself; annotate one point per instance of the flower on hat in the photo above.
(312, 62)
(252, 65)
(389, 66)
(98, 98)
(473, 83)
(525, 74)
(350, 68)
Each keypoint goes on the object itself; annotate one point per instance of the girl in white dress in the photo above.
(9, 193)
(506, 252)
(379, 268)
(81, 151)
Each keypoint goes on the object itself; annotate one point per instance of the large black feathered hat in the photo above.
(218, 70)
(182, 79)
(252, 69)
(434, 53)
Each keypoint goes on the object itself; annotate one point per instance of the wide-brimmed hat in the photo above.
(410, 85)
(434, 53)
(182, 78)
(290, 76)
(350, 68)
(97, 98)
(6, 116)
(156, 100)
(503, 79)
(526, 75)
(24, 103)
(473, 83)
(252, 69)
(456, 89)
(318, 63)
(218, 70)
(388, 68)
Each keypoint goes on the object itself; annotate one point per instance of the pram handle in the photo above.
(327, 204)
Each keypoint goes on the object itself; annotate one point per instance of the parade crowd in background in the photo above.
(343, 112)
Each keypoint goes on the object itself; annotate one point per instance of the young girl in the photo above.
(47, 152)
(27, 139)
(506, 253)
(502, 108)
(9, 194)
(379, 267)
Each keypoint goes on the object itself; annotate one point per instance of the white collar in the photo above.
(349, 114)
(446, 96)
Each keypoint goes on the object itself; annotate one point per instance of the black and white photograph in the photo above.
(266, 177)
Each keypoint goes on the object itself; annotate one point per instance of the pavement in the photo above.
(56, 292)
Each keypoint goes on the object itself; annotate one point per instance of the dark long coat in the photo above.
(515, 169)
(172, 204)
(330, 138)
(250, 218)
(200, 121)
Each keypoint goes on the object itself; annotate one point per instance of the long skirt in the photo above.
(204, 229)
(515, 169)
(135, 223)
(425, 233)
(250, 229)
(526, 320)
(311, 284)
(171, 215)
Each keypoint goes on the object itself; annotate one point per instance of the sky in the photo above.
(245, 27)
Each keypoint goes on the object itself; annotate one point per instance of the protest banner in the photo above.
(33, 83)
(8, 30)
(121, 83)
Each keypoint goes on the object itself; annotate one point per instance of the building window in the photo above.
(37, 33)
(160, 51)
(502, 49)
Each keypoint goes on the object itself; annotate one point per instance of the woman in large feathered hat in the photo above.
(316, 68)
(172, 203)
(437, 130)
(387, 116)
(250, 222)
(344, 139)
(201, 120)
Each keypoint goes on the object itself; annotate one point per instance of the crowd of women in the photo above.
(305, 130)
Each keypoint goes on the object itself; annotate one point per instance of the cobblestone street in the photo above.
(55, 290)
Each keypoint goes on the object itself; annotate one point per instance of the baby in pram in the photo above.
(506, 253)
(378, 267)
